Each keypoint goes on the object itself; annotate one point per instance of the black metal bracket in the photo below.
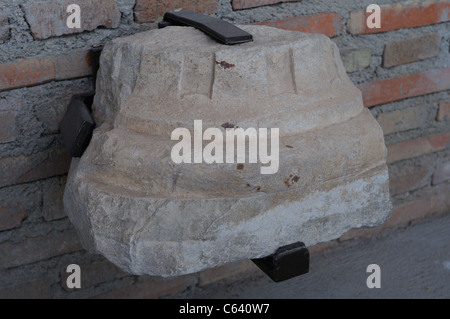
(220, 30)
(287, 262)
(77, 125)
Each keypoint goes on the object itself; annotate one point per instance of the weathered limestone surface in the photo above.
(132, 204)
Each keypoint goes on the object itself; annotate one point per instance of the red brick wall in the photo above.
(402, 69)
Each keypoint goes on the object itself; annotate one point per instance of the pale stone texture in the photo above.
(132, 204)
(442, 173)
(49, 18)
(356, 60)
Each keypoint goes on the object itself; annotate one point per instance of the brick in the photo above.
(53, 200)
(356, 60)
(401, 15)
(11, 216)
(418, 147)
(153, 289)
(33, 290)
(152, 10)
(245, 4)
(22, 169)
(73, 65)
(443, 111)
(94, 274)
(411, 50)
(403, 120)
(325, 23)
(4, 27)
(409, 177)
(209, 276)
(41, 110)
(406, 86)
(434, 201)
(33, 71)
(49, 18)
(19, 202)
(8, 131)
(23, 123)
(39, 248)
(25, 72)
(442, 173)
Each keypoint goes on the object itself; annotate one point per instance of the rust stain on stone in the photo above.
(225, 64)
(89, 59)
(291, 180)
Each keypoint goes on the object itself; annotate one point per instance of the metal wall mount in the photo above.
(219, 30)
(286, 263)
(78, 124)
